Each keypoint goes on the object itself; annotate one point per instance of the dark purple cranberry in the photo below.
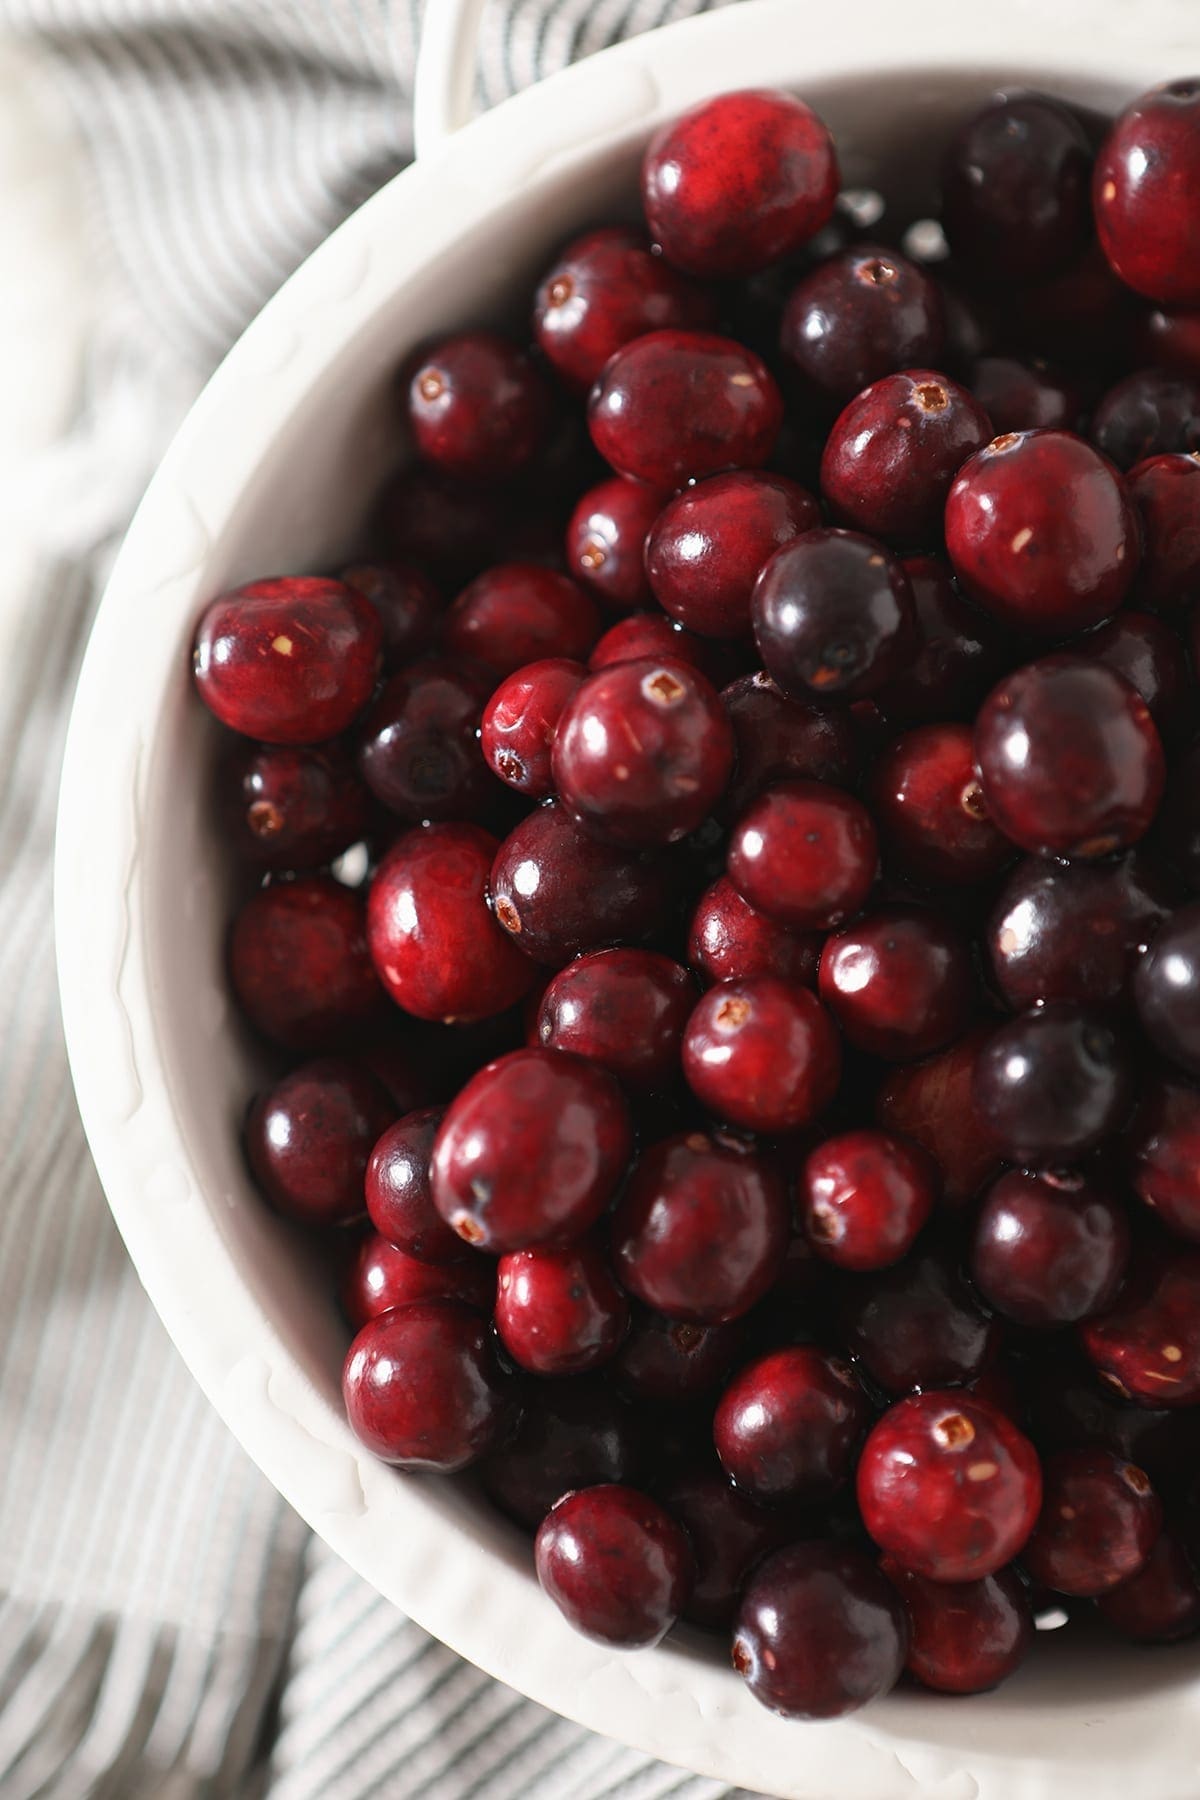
(443, 525)
(572, 1434)
(1164, 1154)
(1015, 188)
(931, 1102)
(819, 1632)
(381, 1277)
(615, 1564)
(1049, 1249)
(948, 1487)
(293, 808)
(1180, 817)
(1166, 493)
(558, 1309)
(423, 1388)
(1099, 1520)
(1146, 191)
(730, 940)
(418, 748)
(408, 604)
(1053, 1084)
(1148, 654)
(288, 661)
(645, 634)
(1166, 988)
(604, 289)
(916, 1324)
(833, 616)
(1161, 1603)
(957, 656)
(964, 1636)
(1147, 1346)
(707, 546)
(777, 738)
(1152, 412)
(519, 722)
(762, 1053)
(606, 541)
(1084, 318)
(789, 1425)
(672, 1362)
(438, 950)
(299, 964)
(1026, 396)
(399, 1200)
(477, 407)
(1069, 758)
(728, 1533)
(804, 853)
(863, 1196)
(700, 1230)
(624, 1009)
(558, 890)
(308, 1139)
(1070, 1405)
(900, 982)
(863, 314)
(518, 613)
(929, 806)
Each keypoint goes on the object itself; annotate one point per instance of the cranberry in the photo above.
(289, 661)
(293, 808)
(862, 314)
(728, 1533)
(1072, 1406)
(437, 948)
(1146, 191)
(931, 1103)
(804, 853)
(1025, 396)
(309, 1136)
(673, 1361)
(520, 719)
(1164, 1151)
(917, 1324)
(558, 890)
(399, 1200)
(518, 613)
(604, 289)
(477, 407)
(1052, 1084)
(819, 1632)
(762, 1053)
(615, 1564)
(1147, 1346)
(1150, 413)
(1169, 338)
(789, 1425)
(948, 1487)
(958, 652)
(676, 405)
(558, 1309)
(900, 982)
(833, 615)
(777, 738)
(423, 1388)
(572, 1434)
(606, 540)
(730, 941)
(700, 1231)
(1084, 318)
(707, 546)
(1015, 200)
(299, 965)
(408, 604)
(930, 807)
(645, 634)
(381, 1277)
(1099, 1520)
(1161, 1603)
(964, 1636)
(624, 1009)
(417, 745)
(863, 1197)
(1166, 493)
(1166, 987)
(1147, 654)
(1049, 1249)
(1069, 757)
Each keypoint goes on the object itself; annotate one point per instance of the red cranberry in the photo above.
(1161, 1603)
(728, 1534)
(672, 1362)
(700, 1231)
(558, 1309)
(958, 654)
(606, 540)
(477, 407)
(917, 1324)
(418, 750)
(1150, 413)
(399, 1200)
(1146, 191)
(931, 1102)
(863, 1197)
(948, 1487)
(520, 719)
(863, 314)
(1025, 396)
(1166, 493)
(707, 546)
(1072, 1406)
(1147, 1346)
(1041, 532)
(615, 1564)
(381, 1277)
(1069, 757)
(604, 289)
(299, 964)
(558, 890)
(293, 808)
(1164, 1150)
(645, 634)
(819, 1632)
(1169, 338)
(643, 751)
(309, 1136)
(804, 853)
(930, 807)
(1052, 1084)
(1166, 987)
(408, 604)
(437, 948)
(289, 661)
(676, 405)
(900, 983)
(777, 738)
(624, 1009)
(1147, 654)
(1099, 1520)
(1049, 1249)
(572, 1434)
(964, 1636)
(789, 1425)
(423, 1388)
(833, 615)
(530, 1151)
(762, 1053)
(1015, 200)
(518, 613)
(730, 941)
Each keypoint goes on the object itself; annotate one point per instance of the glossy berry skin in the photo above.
(643, 752)
(706, 548)
(381, 1277)
(777, 737)
(1041, 532)
(399, 1201)
(1166, 988)
(917, 1324)
(1070, 1405)
(477, 408)
(1147, 653)
(1099, 1521)
(604, 289)
(1152, 412)
(558, 1309)
(862, 314)
(1147, 1346)
(557, 890)
(899, 982)
(1025, 396)
(1146, 192)
(1052, 1084)
(674, 406)
(408, 604)
(518, 613)
(700, 1231)
(762, 1053)
(863, 1196)
(930, 1101)
(615, 1564)
(1015, 189)
(728, 1533)
(958, 653)
(299, 965)
(891, 455)
(789, 1424)
(833, 616)
(572, 1434)
(929, 805)
(819, 1632)
(309, 1136)
(423, 1388)
(1164, 1155)
(645, 634)
(805, 854)
(729, 940)
(1166, 492)
(288, 661)
(964, 1636)
(1161, 1603)
(948, 1487)
(673, 1362)
(1069, 758)
(439, 952)
(1049, 1250)
(519, 721)
(606, 542)
(417, 746)
(624, 1009)
(293, 808)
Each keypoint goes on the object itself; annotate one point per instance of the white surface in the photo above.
(269, 473)
(446, 67)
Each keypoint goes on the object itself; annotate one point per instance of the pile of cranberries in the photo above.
(759, 1012)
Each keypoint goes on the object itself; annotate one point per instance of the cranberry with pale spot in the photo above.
(1099, 1521)
(518, 613)
(762, 1053)
(624, 1009)
(730, 940)
(863, 1197)
(558, 1309)
(477, 407)
(606, 542)
(308, 1138)
(516, 731)
(601, 291)
(299, 964)
(1147, 1345)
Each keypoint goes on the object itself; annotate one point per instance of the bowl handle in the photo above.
(444, 85)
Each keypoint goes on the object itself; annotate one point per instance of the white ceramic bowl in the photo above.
(271, 472)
